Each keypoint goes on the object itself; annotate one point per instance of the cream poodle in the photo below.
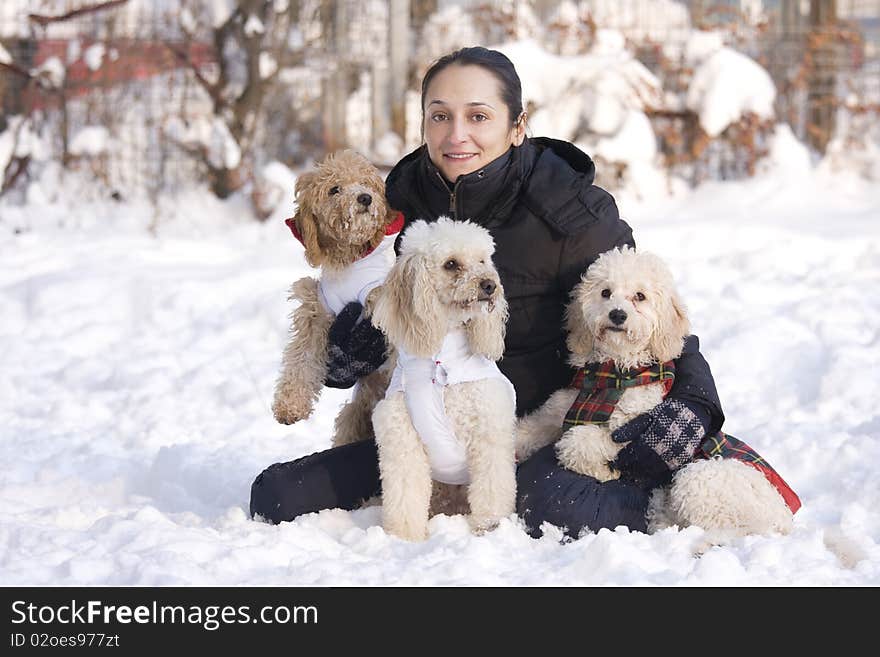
(445, 430)
(348, 231)
(626, 316)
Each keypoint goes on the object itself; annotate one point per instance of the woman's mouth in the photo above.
(459, 157)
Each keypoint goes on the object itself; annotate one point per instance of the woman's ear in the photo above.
(519, 130)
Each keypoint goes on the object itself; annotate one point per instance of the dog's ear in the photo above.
(407, 309)
(485, 332)
(579, 338)
(673, 326)
(305, 219)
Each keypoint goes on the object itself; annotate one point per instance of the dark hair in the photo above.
(491, 60)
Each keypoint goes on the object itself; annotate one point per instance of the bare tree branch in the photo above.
(212, 89)
(16, 69)
(44, 20)
(20, 162)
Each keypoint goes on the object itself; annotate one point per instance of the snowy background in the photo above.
(140, 341)
(137, 376)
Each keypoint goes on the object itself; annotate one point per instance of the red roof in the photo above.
(131, 60)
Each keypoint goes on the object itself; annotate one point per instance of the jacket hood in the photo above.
(548, 175)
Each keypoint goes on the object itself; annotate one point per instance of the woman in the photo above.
(549, 222)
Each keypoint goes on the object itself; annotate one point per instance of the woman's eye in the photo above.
(438, 117)
(606, 293)
(479, 118)
(334, 190)
(640, 296)
(450, 264)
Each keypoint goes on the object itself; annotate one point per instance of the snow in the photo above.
(52, 71)
(268, 65)
(211, 134)
(597, 99)
(74, 48)
(639, 19)
(20, 140)
(188, 22)
(138, 371)
(726, 86)
(565, 13)
(94, 56)
(14, 18)
(219, 11)
(140, 345)
(702, 44)
(389, 148)
(91, 140)
(275, 184)
(634, 137)
(5, 57)
(253, 26)
(446, 30)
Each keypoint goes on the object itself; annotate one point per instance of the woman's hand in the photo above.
(660, 442)
(354, 348)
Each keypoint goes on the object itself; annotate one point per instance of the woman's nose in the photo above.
(457, 131)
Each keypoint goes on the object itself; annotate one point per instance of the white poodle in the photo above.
(446, 426)
(626, 317)
(348, 230)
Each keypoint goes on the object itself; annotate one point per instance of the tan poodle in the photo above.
(626, 315)
(348, 231)
(445, 429)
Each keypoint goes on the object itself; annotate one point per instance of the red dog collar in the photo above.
(391, 229)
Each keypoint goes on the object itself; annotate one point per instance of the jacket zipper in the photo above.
(452, 193)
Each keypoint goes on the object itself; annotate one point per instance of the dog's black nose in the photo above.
(365, 199)
(617, 316)
(487, 287)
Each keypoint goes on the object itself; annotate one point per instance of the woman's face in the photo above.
(467, 124)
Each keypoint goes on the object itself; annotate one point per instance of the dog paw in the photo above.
(286, 412)
(598, 471)
(482, 524)
(580, 451)
(407, 532)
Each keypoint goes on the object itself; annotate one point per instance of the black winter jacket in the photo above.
(549, 223)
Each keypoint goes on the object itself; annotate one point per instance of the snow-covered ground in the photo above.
(136, 375)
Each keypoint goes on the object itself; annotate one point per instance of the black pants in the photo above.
(343, 477)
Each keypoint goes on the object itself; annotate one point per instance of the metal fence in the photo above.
(822, 63)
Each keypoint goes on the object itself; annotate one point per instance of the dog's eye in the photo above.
(450, 264)
(640, 296)
(334, 190)
(606, 293)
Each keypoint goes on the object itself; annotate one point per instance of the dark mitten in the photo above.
(354, 348)
(660, 442)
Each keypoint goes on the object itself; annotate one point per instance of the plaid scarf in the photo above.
(602, 385)
(724, 446)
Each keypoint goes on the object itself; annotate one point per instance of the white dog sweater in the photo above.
(354, 283)
(422, 381)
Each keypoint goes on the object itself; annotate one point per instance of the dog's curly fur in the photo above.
(724, 496)
(435, 287)
(337, 227)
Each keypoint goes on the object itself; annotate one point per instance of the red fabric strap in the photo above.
(391, 229)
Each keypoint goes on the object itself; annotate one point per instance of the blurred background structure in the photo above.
(146, 97)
